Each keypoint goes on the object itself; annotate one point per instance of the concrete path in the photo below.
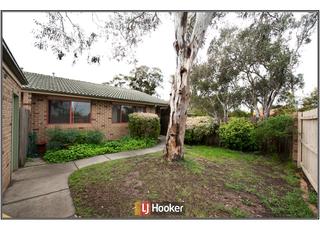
(42, 191)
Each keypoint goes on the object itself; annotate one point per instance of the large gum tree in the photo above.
(63, 34)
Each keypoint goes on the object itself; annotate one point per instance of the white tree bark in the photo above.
(180, 92)
(224, 108)
(268, 104)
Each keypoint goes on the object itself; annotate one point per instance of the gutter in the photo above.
(12, 64)
(47, 92)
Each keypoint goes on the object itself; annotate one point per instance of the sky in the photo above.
(156, 50)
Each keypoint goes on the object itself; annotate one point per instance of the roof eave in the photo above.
(90, 96)
(12, 64)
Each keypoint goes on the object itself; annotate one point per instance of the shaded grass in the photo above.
(210, 182)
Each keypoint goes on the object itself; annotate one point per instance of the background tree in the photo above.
(253, 66)
(125, 31)
(311, 101)
(215, 86)
(225, 71)
(142, 78)
(203, 96)
(146, 79)
(268, 61)
(119, 80)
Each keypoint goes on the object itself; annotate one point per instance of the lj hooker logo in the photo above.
(146, 208)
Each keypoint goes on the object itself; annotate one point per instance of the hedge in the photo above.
(274, 135)
(144, 125)
(200, 129)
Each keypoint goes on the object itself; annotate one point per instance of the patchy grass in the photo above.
(313, 197)
(210, 182)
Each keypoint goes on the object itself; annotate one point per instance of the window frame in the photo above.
(71, 118)
(133, 106)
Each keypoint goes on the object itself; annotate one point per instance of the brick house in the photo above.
(12, 79)
(55, 102)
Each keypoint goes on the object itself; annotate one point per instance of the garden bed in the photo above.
(80, 151)
(210, 182)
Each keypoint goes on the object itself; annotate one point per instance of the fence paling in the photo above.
(308, 145)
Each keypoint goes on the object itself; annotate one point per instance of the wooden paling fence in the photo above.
(307, 157)
(23, 135)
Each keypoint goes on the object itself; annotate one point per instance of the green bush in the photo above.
(273, 133)
(144, 125)
(61, 138)
(198, 129)
(80, 151)
(237, 134)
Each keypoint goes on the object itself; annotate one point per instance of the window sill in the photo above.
(74, 125)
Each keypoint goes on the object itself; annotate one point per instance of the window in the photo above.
(116, 113)
(140, 109)
(81, 112)
(120, 113)
(65, 111)
(59, 112)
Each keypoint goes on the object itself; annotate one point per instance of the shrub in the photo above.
(80, 151)
(144, 125)
(239, 113)
(237, 134)
(272, 134)
(93, 137)
(59, 138)
(32, 145)
(199, 129)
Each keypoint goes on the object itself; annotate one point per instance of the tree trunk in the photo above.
(225, 115)
(266, 113)
(224, 108)
(257, 112)
(180, 91)
(267, 107)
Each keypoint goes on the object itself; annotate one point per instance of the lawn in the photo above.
(210, 182)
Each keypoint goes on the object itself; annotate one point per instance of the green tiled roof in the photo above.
(51, 84)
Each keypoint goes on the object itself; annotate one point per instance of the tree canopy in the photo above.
(142, 78)
(311, 101)
(215, 83)
(253, 66)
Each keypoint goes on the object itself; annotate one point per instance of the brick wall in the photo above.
(9, 87)
(101, 118)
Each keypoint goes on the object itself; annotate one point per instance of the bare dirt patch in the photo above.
(208, 189)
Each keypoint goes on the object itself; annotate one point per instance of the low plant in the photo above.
(237, 134)
(144, 125)
(62, 138)
(32, 145)
(80, 151)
